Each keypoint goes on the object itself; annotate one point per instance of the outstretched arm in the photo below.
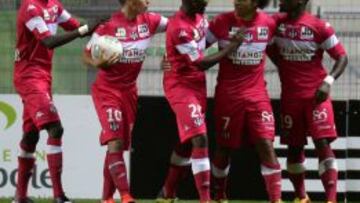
(54, 41)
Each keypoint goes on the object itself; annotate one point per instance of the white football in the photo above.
(106, 46)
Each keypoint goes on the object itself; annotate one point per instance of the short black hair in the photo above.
(263, 3)
(122, 2)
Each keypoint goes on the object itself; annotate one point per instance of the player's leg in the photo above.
(26, 162)
(293, 134)
(328, 169)
(109, 187)
(228, 137)
(200, 165)
(179, 167)
(116, 115)
(270, 169)
(260, 123)
(55, 159)
(220, 171)
(117, 168)
(296, 169)
(321, 123)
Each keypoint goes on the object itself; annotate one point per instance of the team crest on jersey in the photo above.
(120, 33)
(248, 36)
(46, 15)
(292, 33)
(281, 29)
(196, 35)
(263, 33)
(306, 33)
(183, 34)
(143, 30)
(55, 9)
(134, 35)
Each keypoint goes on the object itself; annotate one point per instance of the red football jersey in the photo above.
(185, 46)
(135, 36)
(36, 20)
(299, 49)
(241, 73)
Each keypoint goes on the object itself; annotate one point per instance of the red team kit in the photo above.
(243, 112)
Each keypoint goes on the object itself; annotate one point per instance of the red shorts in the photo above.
(243, 122)
(39, 108)
(302, 117)
(189, 107)
(116, 111)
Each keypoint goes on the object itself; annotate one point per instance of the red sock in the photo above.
(220, 171)
(179, 168)
(272, 177)
(26, 162)
(201, 170)
(174, 176)
(296, 169)
(118, 173)
(108, 184)
(328, 172)
(55, 160)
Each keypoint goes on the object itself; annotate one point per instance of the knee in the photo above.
(200, 141)
(29, 141)
(321, 143)
(222, 152)
(31, 138)
(55, 130)
(115, 145)
(265, 149)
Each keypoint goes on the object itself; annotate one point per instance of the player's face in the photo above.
(289, 5)
(245, 7)
(198, 6)
(139, 6)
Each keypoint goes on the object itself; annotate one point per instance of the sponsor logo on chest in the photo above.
(306, 33)
(143, 30)
(263, 33)
(120, 33)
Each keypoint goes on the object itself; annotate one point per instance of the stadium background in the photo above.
(71, 77)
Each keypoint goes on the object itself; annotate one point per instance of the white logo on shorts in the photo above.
(267, 117)
(39, 114)
(320, 115)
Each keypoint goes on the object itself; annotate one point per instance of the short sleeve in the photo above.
(186, 45)
(213, 34)
(329, 41)
(66, 21)
(158, 23)
(35, 23)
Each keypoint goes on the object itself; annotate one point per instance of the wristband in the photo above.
(329, 79)
(83, 30)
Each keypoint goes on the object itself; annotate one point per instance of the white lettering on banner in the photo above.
(79, 165)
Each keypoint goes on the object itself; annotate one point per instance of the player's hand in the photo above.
(322, 93)
(103, 63)
(165, 64)
(238, 37)
(93, 24)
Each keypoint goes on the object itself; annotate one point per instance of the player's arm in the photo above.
(66, 21)
(211, 60)
(54, 41)
(335, 49)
